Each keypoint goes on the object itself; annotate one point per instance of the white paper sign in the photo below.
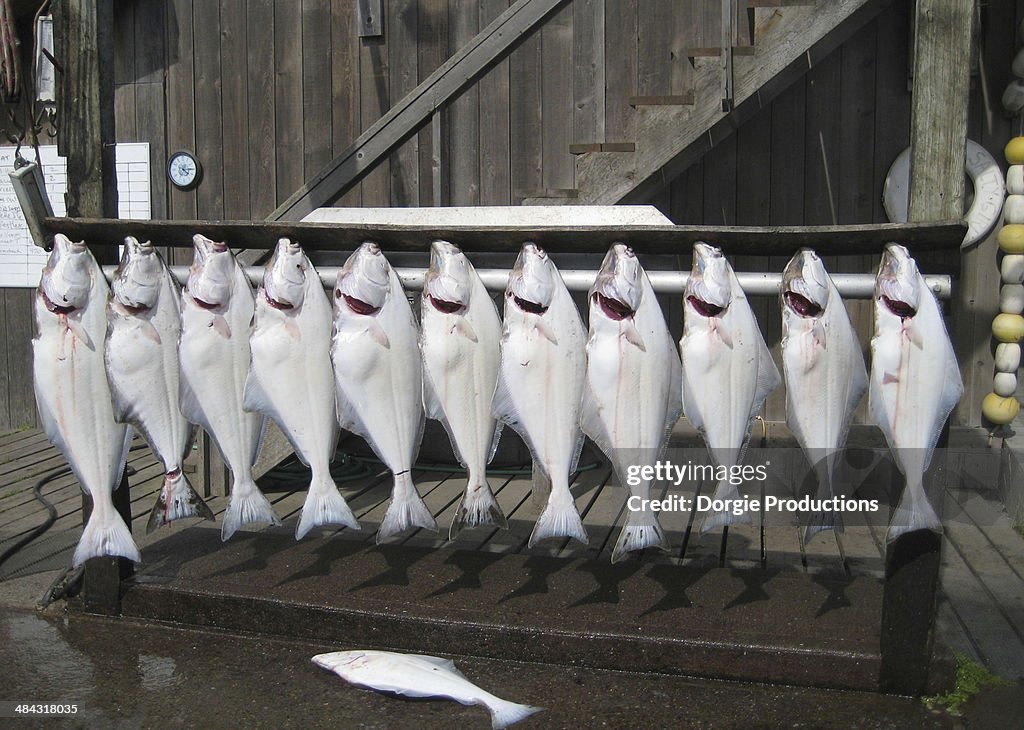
(21, 261)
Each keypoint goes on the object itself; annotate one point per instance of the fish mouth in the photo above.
(802, 305)
(277, 303)
(527, 306)
(704, 309)
(358, 305)
(54, 307)
(204, 304)
(899, 308)
(445, 307)
(613, 308)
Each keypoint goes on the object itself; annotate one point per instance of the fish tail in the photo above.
(177, 499)
(245, 505)
(106, 534)
(821, 521)
(324, 506)
(560, 518)
(505, 713)
(640, 531)
(913, 513)
(406, 510)
(478, 508)
(722, 518)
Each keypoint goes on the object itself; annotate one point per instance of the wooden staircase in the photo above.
(765, 46)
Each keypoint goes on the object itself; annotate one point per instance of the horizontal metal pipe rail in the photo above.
(851, 286)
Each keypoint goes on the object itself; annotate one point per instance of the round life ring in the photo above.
(989, 190)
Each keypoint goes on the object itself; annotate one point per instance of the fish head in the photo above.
(210, 276)
(897, 284)
(364, 281)
(533, 281)
(448, 283)
(619, 286)
(67, 277)
(136, 283)
(709, 288)
(805, 288)
(284, 281)
(343, 663)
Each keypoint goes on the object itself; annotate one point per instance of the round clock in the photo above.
(184, 170)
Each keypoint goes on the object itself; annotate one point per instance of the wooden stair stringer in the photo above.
(790, 41)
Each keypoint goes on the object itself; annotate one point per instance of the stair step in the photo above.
(686, 99)
(717, 51)
(579, 149)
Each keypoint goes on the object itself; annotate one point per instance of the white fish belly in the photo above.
(73, 395)
(383, 386)
(215, 368)
(464, 375)
(545, 383)
(298, 383)
(144, 381)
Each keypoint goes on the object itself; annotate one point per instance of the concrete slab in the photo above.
(819, 631)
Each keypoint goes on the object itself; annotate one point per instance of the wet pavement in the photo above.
(127, 674)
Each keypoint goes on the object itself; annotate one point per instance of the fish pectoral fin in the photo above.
(464, 328)
(889, 378)
(503, 407)
(913, 333)
(446, 664)
(545, 331)
(632, 336)
(78, 330)
(818, 335)
(292, 329)
(150, 332)
(431, 403)
(188, 403)
(255, 398)
(590, 420)
(723, 332)
(221, 326)
(378, 335)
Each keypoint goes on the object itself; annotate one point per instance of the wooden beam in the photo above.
(491, 45)
(767, 240)
(938, 113)
(670, 139)
(938, 138)
(84, 38)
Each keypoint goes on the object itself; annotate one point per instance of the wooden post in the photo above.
(83, 32)
(937, 150)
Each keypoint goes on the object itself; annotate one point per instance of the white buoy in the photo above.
(1007, 357)
(1015, 180)
(1013, 209)
(1012, 268)
(1004, 384)
(1011, 298)
(1013, 97)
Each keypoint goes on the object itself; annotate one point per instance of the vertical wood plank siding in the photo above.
(267, 92)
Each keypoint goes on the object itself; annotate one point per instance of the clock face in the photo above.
(184, 170)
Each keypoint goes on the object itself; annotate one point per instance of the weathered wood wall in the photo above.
(267, 92)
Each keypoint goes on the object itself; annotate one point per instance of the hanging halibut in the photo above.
(378, 376)
(144, 324)
(216, 322)
(914, 381)
(540, 385)
(460, 342)
(825, 373)
(727, 369)
(72, 393)
(291, 379)
(632, 396)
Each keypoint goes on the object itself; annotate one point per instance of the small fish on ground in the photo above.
(419, 676)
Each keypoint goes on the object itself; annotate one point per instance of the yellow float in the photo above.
(999, 410)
